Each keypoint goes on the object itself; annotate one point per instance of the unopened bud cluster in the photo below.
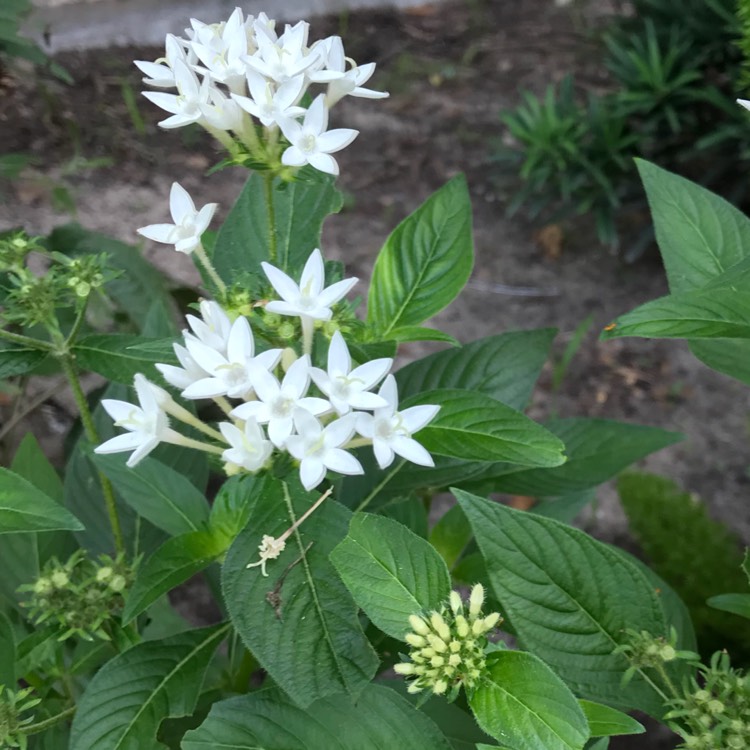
(14, 716)
(448, 645)
(646, 651)
(79, 597)
(714, 713)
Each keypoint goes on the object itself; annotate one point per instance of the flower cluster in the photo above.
(646, 651)
(448, 646)
(221, 360)
(714, 714)
(79, 597)
(225, 74)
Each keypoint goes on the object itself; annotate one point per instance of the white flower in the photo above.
(319, 448)
(185, 106)
(228, 375)
(285, 58)
(347, 388)
(161, 72)
(343, 82)
(277, 401)
(250, 449)
(744, 102)
(270, 104)
(212, 328)
(189, 224)
(147, 424)
(391, 431)
(223, 113)
(182, 377)
(224, 52)
(309, 299)
(311, 143)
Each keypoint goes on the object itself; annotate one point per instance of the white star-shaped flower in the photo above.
(311, 143)
(277, 401)
(161, 72)
(349, 389)
(284, 58)
(182, 377)
(391, 430)
(229, 375)
(185, 105)
(319, 448)
(189, 223)
(147, 424)
(223, 53)
(212, 328)
(310, 298)
(249, 447)
(271, 104)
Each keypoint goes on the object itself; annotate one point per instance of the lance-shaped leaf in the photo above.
(390, 572)
(18, 360)
(719, 313)
(476, 427)
(7, 652)
(114, 356)
(25, 508)
(130, 696)
(504, 367)
(296, 212)
(425, 262)
(605, 721)
(380, 719)
(302, 606)
(158, 493)
(524, 704)
(570, 598)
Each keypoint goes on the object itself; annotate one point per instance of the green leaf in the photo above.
(597, 450)
(410, 511)
(302, 607)
(31, 463)
(234, 503)
(451, 535)
(17, 360)
(524, 704)
(173, 563)
(390, 572)
(7, 653)
(728, 356)
(420, 333)
(425, 262)
(117, 356)
(700, 235)
(719, 313)
(158, 493)
(131, 695)
(566, 507)
(25, 508)
(504, 367)
(298, 212)
(560, 586)
(737, 604)
(379, 720)
(476, 427)
(605, 721)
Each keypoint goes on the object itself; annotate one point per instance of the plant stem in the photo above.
(92, 436)
(210, 270)
(224, 405)
(268, 182)
(77, 324)
(198, 445)
(41, 726)
(667, 681)
(180, 412)
(17, 338)
(308, 332)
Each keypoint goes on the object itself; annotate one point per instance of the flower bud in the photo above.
(418, 625)
(476, 600)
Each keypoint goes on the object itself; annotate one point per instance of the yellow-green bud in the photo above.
(491, 620)
(60, 579)
(437, 661)
(287, 330)
(415, 640)
(104, 574)
(476, 600)
(42, 586)
(455, 601)
(462, 626)
(454, 646)
(454, 660)
(117, 583)
(418, 625)
(231, 469)
(288, 358)
(436, 643)
(667, 653)
(404, 668)
(440, 687)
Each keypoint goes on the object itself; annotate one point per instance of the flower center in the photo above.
(233, 373)
(282, 407)
(384, 429)
(307, 143)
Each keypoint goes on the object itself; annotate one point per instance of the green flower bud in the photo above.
(118, 583)
(59, 579)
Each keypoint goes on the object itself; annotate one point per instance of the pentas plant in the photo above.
(269, 443)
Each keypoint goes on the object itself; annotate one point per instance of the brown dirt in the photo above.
(451, 69)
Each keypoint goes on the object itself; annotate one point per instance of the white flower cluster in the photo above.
(219, 361)
(224, 73)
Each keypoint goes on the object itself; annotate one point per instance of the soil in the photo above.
(451, 70)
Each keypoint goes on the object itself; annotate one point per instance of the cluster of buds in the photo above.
(646, 651)
(714, 713)
(14, 716)
(278, 411)
(79, 597)
(14, 247)
(448, 646)
(247, 84)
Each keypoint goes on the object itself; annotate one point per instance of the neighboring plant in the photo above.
(666, 102)
(312, 533)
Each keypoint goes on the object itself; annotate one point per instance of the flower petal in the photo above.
(284, 286)
(181, 205)
(340, 431)
(411, 450)
(335, 140)
(159, 233)
(372, 372)
(342, 462)
(384, 454)
(339, 359)
(416, 417)
(324, 163)
(313, 277)
(312, 472)
(205, 388)
(335, 292)
(126, 442)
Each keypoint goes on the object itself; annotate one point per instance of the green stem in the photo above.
(180, 412)
(245, 669)
(224, 405)
(667, 681)
(17, 338)
(198, 445)
(374, 491)
(77, 324)
(210, 270)
(268, 183)
(41, 726)
(93, 437)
